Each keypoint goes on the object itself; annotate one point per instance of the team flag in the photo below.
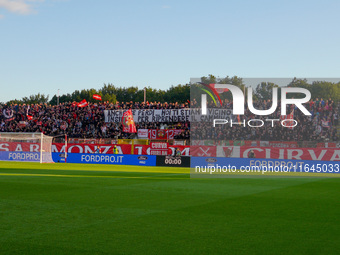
(29, 117)
(8, 114)
(128, 123)
(83, 103)
(97, 97)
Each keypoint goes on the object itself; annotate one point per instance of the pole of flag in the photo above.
(144, 95)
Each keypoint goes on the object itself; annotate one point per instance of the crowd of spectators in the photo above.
(80, 122)
(88, 122)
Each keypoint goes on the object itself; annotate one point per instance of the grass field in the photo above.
(101, 209)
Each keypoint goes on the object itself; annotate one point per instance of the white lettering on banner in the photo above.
(245, 153)
(142, 133)
(156, 145)
(313, 156)
(23, 156)
(101, 159)
(159, 148)
(336, 155)
(34, 147)
(88, 149)
(19, 147)
(281, 154)
(298, 154)
(4, 147)
(55, 149)
(139, 149)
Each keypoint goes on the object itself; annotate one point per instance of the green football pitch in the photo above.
(102, 209)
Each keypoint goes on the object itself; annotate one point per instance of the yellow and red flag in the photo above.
(128, 123)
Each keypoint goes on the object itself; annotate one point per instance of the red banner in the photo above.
(159, 148)
(203, 151)
(326, 154)
(145, 149)
(167, 134)
(11, 146)
(91, 148)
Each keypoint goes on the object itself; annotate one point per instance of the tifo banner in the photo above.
(167, 134)
(180, 115)
(170, 115)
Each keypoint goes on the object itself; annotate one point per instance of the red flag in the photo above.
(97, 97)
(29, 117)
(128, 123)
(74, 104)
(83, 103)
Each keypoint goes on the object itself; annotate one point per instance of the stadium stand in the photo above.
(88, 122)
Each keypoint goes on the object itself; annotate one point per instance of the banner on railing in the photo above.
(86, 158)
(159, 148)
(328, 154)
(173, 115)
(167, 134)
(170, 115)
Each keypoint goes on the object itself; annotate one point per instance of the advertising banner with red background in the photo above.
(326, 154)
